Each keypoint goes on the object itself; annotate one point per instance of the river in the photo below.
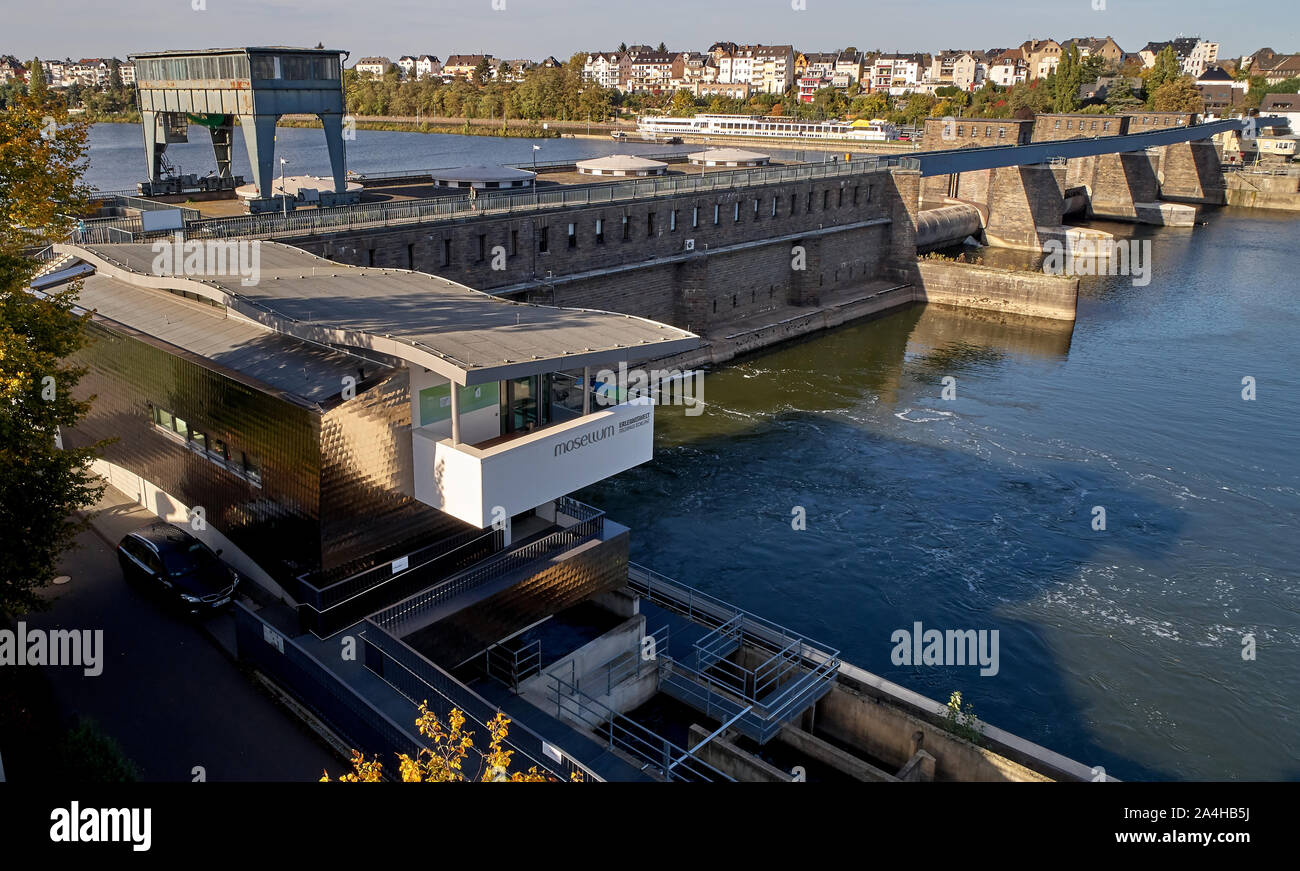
(1119, 647)
(118, 161)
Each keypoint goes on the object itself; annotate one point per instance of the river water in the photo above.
(1120, 647)
(118, 161)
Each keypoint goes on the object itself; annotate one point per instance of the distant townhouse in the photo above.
(1042, 56)
(1007, 67)
(692, 68)
(1194, 54)
(1092, 46)
(406, 63)
(651, 72)
(773, 68)
(427, 66)
(373, 66)
(463, 66)
(899, 73)
(818, 64)
(1286, 105)
(88, 72)
(1283, 67)
(514, 70)
(850, 64)
(962, 70)
(127, 72)
(11, 69)
(603, 68)
(1220, 92)
(1260, 60)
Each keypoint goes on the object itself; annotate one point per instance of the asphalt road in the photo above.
(168, 693)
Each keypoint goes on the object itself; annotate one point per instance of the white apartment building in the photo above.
(603, 68)
(373, 66)
(406, 64)
(427, 65)
(1201, 58)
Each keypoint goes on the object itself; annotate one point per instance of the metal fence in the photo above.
(349, 715)
(420, 680)
(326, 607)
(307, 222)
(619, 732)
(420, 609)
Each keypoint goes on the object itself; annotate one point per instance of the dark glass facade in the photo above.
(329, 495)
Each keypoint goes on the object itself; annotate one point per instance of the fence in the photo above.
(419, 610)
(420, 680)
(328, 607)
(350, 716)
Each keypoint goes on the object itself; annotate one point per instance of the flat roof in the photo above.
(728, 154)
(465, 335)
(181, 52)
(620, 161)
(482, 173)
(312, 372)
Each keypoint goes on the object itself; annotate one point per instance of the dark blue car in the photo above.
(168, 561)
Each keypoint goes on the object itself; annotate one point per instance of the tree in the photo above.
(1165, 69)
(1120, 96)
(683, 104)
(445, 761)
(1178, 95)
(483, 71)
(662, 48)
(41, 487)
(36, 85)
(115, 76)
(1065, 82)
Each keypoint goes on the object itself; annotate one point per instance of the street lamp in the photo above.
(536, 148)
(284, 201)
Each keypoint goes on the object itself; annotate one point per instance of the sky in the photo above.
(537, 28)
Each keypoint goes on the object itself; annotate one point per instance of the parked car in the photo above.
(167, 561)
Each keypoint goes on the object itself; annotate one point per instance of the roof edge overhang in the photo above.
(412, 353)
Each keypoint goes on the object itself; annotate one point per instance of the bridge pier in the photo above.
(1192, 172)
(1026, 205)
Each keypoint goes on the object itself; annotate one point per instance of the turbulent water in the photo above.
(1119, 647)
(118, 161)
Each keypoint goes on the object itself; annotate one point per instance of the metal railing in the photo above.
(795, 672)
(619, 732)
(311, 221)
(417, 611)
(512, 667)
(332, 606)
(419, 680)
(350, 715)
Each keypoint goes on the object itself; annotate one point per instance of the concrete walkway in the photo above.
(169, 691)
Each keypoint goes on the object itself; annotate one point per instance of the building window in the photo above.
(773, 207)
(856, 191)
(600, 231)
(840, 204)
(649, 224)
(482, 247)
(793, 204)
(446, 252)
(695, 216)
(212, 449)
(808, 205)
(514, 242)
(735, 211)
(544, 240)
(672, 221)
(573, 235)
(716, 210)
(627, 228)
(826, 199)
